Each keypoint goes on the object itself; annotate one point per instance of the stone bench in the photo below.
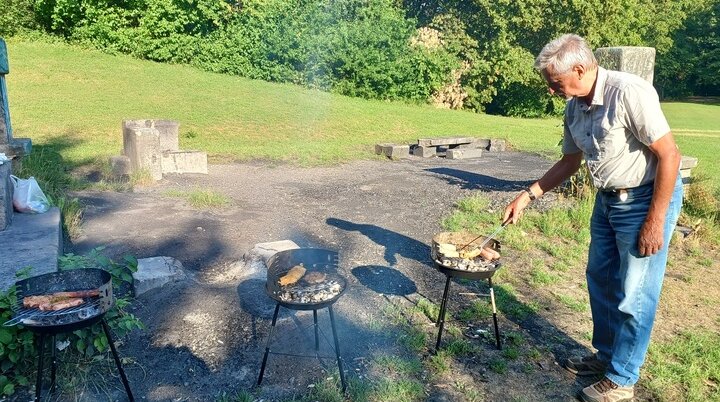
(457, 147)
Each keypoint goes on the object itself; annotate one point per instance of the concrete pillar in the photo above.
(6, 189)
(630, 59)
(167, 131)
(142, 146)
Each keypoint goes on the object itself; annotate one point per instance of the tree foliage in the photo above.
(692, 65)
(368, 48)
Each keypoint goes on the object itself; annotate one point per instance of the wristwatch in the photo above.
(531, 194)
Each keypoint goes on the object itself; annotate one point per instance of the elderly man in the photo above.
(613, 120)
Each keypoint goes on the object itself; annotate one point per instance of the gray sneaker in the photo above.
(585, 366)
(607, 391)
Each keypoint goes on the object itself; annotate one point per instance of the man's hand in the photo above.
(650, 240)
(515, 209)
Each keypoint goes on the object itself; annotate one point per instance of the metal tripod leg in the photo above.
(494, 310)
(317, 340)
(441, 315)
(53, 364)
(337, 348)
(267, 344)
(38, 382)
(117, 361)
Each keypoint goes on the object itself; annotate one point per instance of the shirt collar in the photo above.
(599, 86)
(598, 97)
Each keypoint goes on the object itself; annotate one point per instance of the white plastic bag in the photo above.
(28, 196)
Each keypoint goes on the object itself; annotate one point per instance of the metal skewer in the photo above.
(492, 236)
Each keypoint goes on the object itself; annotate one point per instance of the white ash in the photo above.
(311, 294)
(463, 264)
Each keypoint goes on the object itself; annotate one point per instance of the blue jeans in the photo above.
(624, 286)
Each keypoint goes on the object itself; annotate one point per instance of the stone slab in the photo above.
(33, 240)
(184, 162)
(630, 59)
(688, 162)
(423, 151)
(6, 195)
(155, 272)
(397, 151)
(263, 251)
(433, 142)
(463, 153)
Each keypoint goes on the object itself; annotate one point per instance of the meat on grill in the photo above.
(292, 276)
(58, 300)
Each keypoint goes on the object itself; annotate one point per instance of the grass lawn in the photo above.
(75, 100)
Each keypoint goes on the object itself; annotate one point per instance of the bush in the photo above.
(16, 15)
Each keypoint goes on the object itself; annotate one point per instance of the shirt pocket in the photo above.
(609, 136)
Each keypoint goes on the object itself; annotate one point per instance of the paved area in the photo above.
(32, 240)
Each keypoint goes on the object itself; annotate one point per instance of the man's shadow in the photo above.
(474, 181)
(394, 243)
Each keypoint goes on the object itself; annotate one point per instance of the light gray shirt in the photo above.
(614, 132)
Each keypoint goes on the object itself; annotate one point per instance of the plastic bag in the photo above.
(28, 196)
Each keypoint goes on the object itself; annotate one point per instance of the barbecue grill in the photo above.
(311, 282)
(472, 269)
(54, 322)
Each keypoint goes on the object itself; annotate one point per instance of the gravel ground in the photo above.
(206, 335)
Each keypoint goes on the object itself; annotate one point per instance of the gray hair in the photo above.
(564, 53)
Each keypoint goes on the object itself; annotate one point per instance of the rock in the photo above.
(155, 272)
(264, 251)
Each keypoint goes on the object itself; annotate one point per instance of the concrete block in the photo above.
(263, 251)
(424, 152)
(397, 151)
(463, 153)
(380, 147)
(433, 142)
(630, 59)
(6, 195)
(16, 147)
(155, 272)
(142, 146)
(184, 162)
(33, 240)
(496, 145)
(168, 131)
(688, 162)
(120, 166)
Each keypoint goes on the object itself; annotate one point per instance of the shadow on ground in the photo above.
(475, 181)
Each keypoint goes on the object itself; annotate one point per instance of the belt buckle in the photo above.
(622, 194)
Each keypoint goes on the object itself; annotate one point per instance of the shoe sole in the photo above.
(584, 399)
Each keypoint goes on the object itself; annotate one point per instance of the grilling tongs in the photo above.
(491, 237)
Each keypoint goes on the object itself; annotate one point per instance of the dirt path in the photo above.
(207, 335)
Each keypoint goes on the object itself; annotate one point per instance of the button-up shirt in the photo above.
(614, 132)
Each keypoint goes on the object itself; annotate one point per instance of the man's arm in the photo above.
(558, 173)
(650, 240)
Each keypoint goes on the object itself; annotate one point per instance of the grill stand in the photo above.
(443, 305)
(317, 344)
(53, 364)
